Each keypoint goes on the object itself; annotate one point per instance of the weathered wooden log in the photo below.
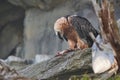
(64, 67)
(79, 61)
(8, 73)
(74, 65)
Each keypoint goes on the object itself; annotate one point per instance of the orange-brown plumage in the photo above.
(75, 30)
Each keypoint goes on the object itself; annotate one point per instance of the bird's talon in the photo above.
(59, 54)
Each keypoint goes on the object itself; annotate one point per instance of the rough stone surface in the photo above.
(41, 4)
(11, 28)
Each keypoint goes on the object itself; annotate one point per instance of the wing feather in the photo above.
(83, 27)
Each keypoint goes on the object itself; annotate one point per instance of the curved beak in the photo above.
(59, 35)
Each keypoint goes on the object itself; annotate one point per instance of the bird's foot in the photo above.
(77, 49)
(61, 53)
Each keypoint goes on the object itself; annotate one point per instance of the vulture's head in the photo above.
(60, 26)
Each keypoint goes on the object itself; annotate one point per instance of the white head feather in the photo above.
(58, 25)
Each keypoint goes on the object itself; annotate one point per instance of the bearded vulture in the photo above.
(75, 30)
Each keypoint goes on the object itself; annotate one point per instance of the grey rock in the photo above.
(11, 28)
(41, 4)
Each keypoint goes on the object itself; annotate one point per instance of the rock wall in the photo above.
(11, 27)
